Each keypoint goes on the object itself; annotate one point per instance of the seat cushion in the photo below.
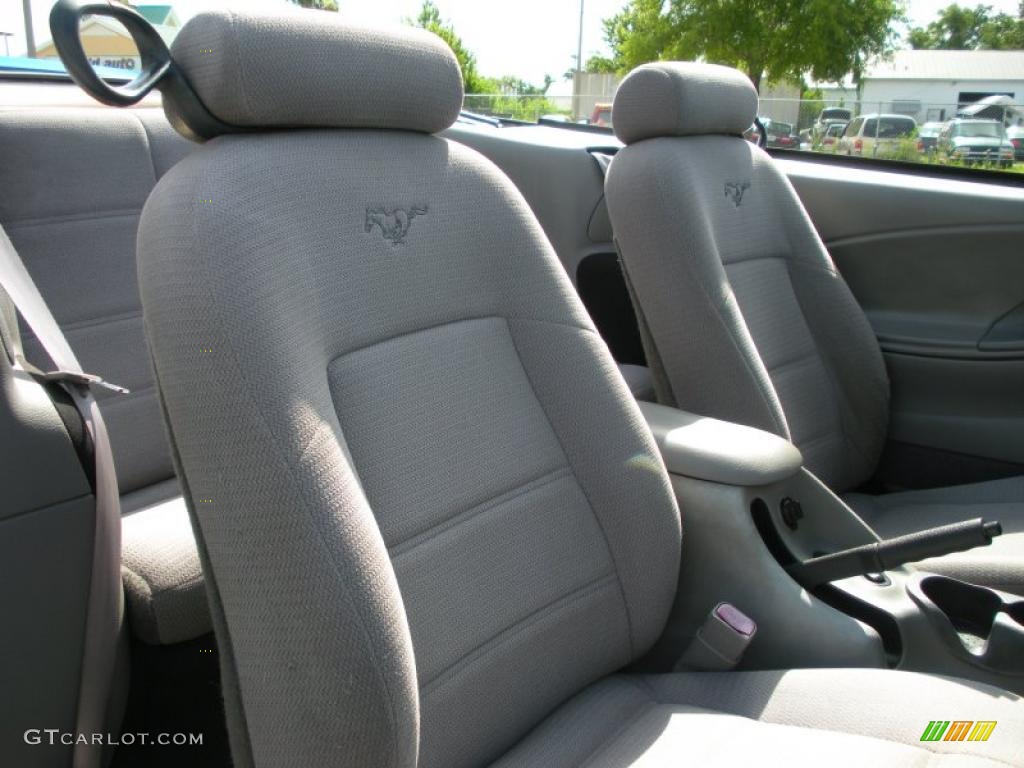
(160, 567)
(847, 717)
(998, 565)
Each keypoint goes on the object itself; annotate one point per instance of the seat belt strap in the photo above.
(103, 619)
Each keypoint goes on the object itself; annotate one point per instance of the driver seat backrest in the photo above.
(421, 528)
(749, 317)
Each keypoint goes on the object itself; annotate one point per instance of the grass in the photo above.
(902, 153)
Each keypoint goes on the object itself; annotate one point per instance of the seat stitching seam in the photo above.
(815, 439)
(410, 543)
(71, 218)
(93, 322)
(149, 145)
(796, 362)
(583, 490)
(751, 259)
(483, 649)
(455, 321)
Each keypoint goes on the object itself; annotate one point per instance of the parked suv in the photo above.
(869, 135)
(829, 117)
(976, 141)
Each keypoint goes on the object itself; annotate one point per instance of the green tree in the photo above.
(430, 19)
(955, 28)
(1004, 32)
(961, 28)
(774, 39)
(319, 5)
(600, 64)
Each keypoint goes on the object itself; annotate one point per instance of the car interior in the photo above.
(346, 429)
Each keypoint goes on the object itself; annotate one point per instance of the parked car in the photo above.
(1015, 133)
(780, 134)
(831, 138)
(976, 141)
(829, 116)
(927, 135)
(868, 135)
(602, 115)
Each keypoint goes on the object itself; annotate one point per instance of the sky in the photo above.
(526, 38)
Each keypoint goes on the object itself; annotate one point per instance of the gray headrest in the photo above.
(672, 98)
(309, 69)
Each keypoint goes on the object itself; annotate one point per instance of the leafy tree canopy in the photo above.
(430, 19)
(961, 28)
(774, 39)
(319, 5)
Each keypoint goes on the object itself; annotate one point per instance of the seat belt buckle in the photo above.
(83, 380)
(720, 642)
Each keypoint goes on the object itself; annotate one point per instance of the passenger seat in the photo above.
(75, 180)
(750, 320)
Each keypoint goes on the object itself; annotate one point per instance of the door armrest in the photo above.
(719, 451)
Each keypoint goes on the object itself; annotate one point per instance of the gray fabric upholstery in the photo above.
(77, 180)
(750, 318)
(751, 321)
(429, 506)
(670, 98)
(998, 565)
(805, 718)
(638, 379)
(418, 399)
(313, 69)
(162, 577)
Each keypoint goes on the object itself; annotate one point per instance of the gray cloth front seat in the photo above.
(748, 318)
(432, 521)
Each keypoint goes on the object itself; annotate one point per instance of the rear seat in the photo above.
(74, 182)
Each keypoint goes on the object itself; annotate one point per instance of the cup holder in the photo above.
(988, 625)
(970, 609)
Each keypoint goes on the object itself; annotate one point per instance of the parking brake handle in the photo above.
(892, 553)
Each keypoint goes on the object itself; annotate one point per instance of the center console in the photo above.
(762, 533)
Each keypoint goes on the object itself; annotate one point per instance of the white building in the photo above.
(933, 85)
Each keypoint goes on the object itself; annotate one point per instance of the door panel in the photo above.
(938, 266)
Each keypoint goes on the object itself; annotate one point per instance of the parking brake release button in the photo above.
(720, 642)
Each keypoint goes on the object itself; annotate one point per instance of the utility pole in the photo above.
(30, 37)
(579, 42)
(577, 80)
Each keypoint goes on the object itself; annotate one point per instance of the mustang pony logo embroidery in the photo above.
(734, 191)
(393, 224)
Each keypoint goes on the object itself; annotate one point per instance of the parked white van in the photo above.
(867, 134)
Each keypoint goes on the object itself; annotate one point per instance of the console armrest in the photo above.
(719, 451)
